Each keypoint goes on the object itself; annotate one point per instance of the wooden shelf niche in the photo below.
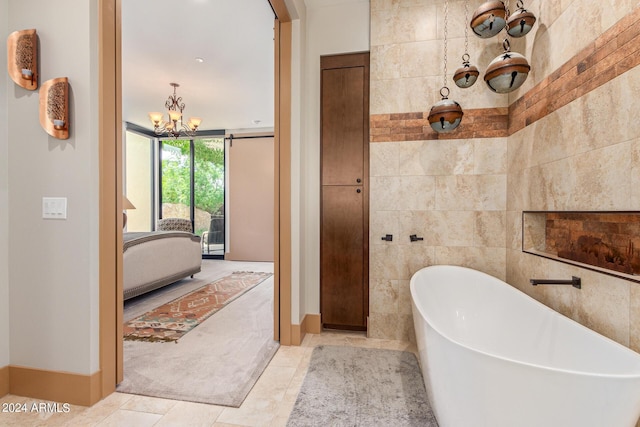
(603, 241)
(54, 107)
(22, 58)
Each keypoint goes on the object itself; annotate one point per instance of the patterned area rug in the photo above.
(171, 321)
(352, 386)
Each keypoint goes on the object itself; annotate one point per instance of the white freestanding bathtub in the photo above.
(493, 356)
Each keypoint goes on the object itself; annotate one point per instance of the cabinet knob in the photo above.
(358, 190)
(358, 180)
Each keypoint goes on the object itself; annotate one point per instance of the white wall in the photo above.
(4, 199)
(53, 264)
(298, 109)
(333, 26)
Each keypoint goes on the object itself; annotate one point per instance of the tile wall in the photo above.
(465, 196)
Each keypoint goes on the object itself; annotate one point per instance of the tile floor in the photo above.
(268, 404)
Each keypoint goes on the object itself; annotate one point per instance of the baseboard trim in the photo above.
(297, 334)
(4, 381)
(63, 387)
(313, 323)
(310, 324)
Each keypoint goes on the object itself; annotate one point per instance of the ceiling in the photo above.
(232, 89)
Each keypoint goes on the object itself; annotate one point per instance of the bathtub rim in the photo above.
(412, 284)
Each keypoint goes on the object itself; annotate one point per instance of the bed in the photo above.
(158, 258)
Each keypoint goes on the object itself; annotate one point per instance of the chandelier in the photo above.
(174, 127)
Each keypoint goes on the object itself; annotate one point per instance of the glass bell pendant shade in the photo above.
(489, 19)
(507, 72)
(520, 23)
(445, 115)
(466, 75)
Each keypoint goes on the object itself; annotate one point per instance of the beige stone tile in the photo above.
(190, 414)
(380, 102)
(409, 158)
(402, 193)
(551, 186)
(604, 306)
(153, 405)
(413, 258)
(386, 62)
(476, 192)
(25, 411)
(383, 325)
(381, 266)
(601, 179)
(288, 356)
(273, 383)
(418, 58)
(61, 418)
(391, 327)
(449, 157)
(419, 94)
(101, 410)
(296, 383)
(634, 317)
(490, 229)
(489, 260)
(279, 421)
(284, 410)
(383, 296)
(519, 149)
(595, 180)
(490, 156)
(635, 172)
(407, 24)
(253, 412)
(385, 222)
(557, 136)
(440, 228)
(404, 297)
(514, 230)
(384, 158)
(127, 418)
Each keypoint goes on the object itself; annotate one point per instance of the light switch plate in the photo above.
(54, 207)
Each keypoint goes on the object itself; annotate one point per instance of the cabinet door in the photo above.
(342, 298)
(343, 115)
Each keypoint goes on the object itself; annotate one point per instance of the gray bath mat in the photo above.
(352, 386)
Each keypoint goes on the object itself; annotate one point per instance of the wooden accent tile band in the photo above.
(613, 53)
(479, 123)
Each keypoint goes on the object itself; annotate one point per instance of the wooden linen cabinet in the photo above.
(344, 192)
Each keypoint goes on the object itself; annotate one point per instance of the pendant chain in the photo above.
(466, 27)
(446, 13)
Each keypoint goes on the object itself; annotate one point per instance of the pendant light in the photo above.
(507, 72)
(445, 115)
(489, 19)
(466, 75)
(520, 22)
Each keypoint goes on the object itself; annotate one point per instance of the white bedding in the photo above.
(155, 259)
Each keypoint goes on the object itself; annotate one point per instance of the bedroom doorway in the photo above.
(110, 160)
